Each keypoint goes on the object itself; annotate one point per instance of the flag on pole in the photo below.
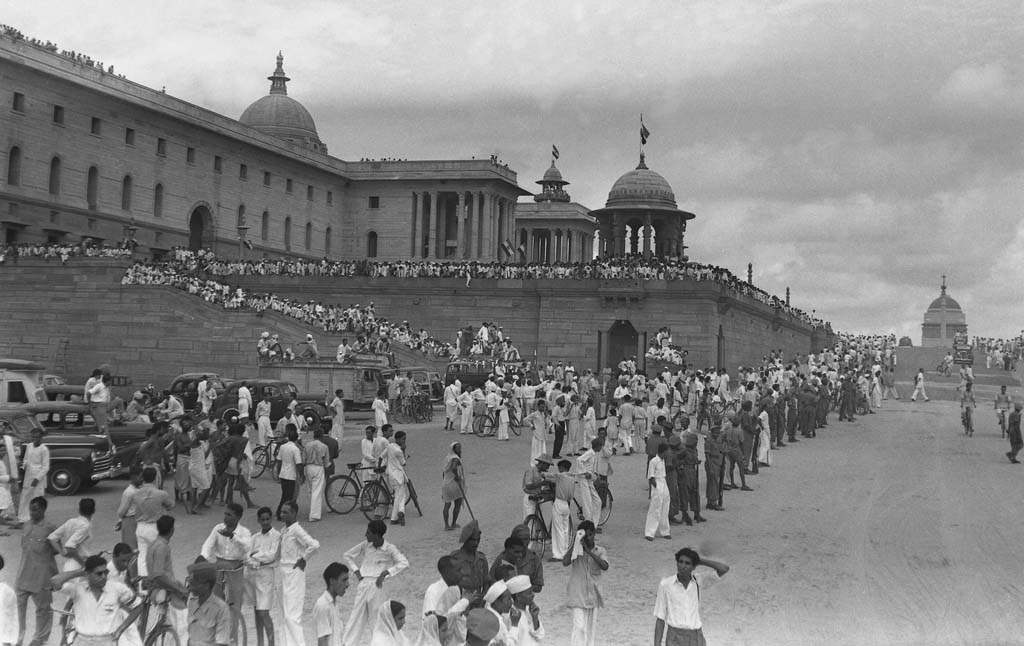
(554, 151)
(644, 132)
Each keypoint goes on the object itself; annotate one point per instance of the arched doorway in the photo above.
(622, 342)
(200, 228)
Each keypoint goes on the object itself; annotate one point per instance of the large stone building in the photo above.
(554, 228)
(943, 320)
(88, 154)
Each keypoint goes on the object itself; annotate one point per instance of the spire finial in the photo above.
(943, 284)
(278, 80)
(642, 164)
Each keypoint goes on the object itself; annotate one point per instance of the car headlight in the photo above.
(96, 455)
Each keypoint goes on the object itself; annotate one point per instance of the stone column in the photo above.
(529, 246)
(430, 213)
(647, 236)
(474, 225)
(415, 216)
(460, 227)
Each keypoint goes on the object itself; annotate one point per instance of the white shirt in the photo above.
(296, 543)
(37, 463)
(8, 615)
(265, 550)
(396, 463)
(97, 617)
(370, 561)
(679, 606)
(99, 393)
(244, 401)
(291, 458)
(74, 533)
(327, 621)
(218, 546)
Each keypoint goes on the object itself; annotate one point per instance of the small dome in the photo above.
(641, 186)
(279, 115)
(944, 302)
(553, 176)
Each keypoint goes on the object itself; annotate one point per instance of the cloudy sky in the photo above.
(853, 151)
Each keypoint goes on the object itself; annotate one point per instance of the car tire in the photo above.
(63, 480)
(314, 414)
(228, 414)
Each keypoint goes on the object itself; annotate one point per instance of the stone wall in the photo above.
(78, 316)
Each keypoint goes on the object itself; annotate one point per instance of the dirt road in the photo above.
(895, 529)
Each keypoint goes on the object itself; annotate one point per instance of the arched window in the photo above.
(92, 188)
(265, 226)
(241, 216)
(309, 236)
(327, 242)
(126, 193)
(158, 201)
(288, 233)
(55, 176)
(371, 244)
(14, 166)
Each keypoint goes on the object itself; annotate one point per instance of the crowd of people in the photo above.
(77, 57)
(64, 251)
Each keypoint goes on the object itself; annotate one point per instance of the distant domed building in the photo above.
(279, 115)
(641, 216)
(942, 321)
(554, 229)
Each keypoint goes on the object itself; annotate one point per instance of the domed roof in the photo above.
(641, 187)
(552, 176)
(279, 115)
(944, 302)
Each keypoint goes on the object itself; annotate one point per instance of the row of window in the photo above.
(96, 128)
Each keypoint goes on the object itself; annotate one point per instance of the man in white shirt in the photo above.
(296, 547)
(72, 538)
(677, 606)
(37, 468)
(371, 561)
(289, 467)
(451, 404)
(327, 621)
(97, 601)
(337, 405)
(524, 616)
(244, 403)
(443, 598)
(397, 478)
(261, 573)
(263, 428)
(99, 400)
(228, 545)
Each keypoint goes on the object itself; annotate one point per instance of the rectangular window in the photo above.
(96, 126)
(58, 114)
(129, 136)
(330, 197)
(18, 105)
(218, 163)
(190, 155)
(243, 171)
(288, 186)
(374, 201)
(309, 193)
(161, 147)
(266, 178)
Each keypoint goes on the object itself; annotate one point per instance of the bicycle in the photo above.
(486, 425)
(967, 419)
(1001, 414)
(162, 633)
(238, 630)
(264, 456)
(416, 409)
(342, 491)
(376, 498)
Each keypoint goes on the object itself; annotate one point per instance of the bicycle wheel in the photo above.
(67, 625)
(428, 407)
(538, 534)
(375, 501)
(413, 498)
(606, 510)
(514, 423)
(260, 460)
(162, 635)
(341, 494)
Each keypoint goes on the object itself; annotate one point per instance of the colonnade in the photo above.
(548, 246)
(462, 225)
(648, 235)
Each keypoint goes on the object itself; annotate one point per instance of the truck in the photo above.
(21, 382)
(360, 382)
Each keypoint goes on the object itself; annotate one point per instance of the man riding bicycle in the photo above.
(1002, 405)
(967, 406)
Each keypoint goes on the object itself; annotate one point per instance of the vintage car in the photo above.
(427, 380)
(65, 393)
(475, 372)
(21, 382)
(226, 405)
(186, 387)
(74, 417)
(53, 380)
(77, 459)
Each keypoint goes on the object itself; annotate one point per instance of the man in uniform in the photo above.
(209, 618)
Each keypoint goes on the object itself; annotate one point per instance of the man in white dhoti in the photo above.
(36, 464)
(657, 511)
(296, 547)
(371, 561)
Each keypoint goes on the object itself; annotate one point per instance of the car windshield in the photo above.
(23, 425)
(292, 389)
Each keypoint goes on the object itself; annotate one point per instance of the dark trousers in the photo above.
(602, 489)
(714, 468)
(748, 450)
(672, 479)
(777, 426)
(689, 489)
(287, 493)
(44, 615)
(791, 421)
(755, 447)
(559, 439)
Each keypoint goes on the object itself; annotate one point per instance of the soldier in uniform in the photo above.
(714, 467)
(689, 490)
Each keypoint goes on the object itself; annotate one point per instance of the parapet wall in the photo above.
(77, 316)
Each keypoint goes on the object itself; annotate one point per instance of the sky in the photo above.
(852, 151)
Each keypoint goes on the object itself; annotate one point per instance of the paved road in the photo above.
(895, 529)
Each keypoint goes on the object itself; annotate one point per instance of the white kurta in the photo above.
(657, 511)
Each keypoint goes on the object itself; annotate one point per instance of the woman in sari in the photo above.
(430, 632)
(388, 630)
(452, 486)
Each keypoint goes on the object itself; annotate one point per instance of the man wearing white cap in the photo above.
(524, 616)
(481, 627)
(444, 598)
(499, 601)
(311, 351)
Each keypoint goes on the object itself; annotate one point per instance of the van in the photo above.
(21, 382)
(360, 383)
